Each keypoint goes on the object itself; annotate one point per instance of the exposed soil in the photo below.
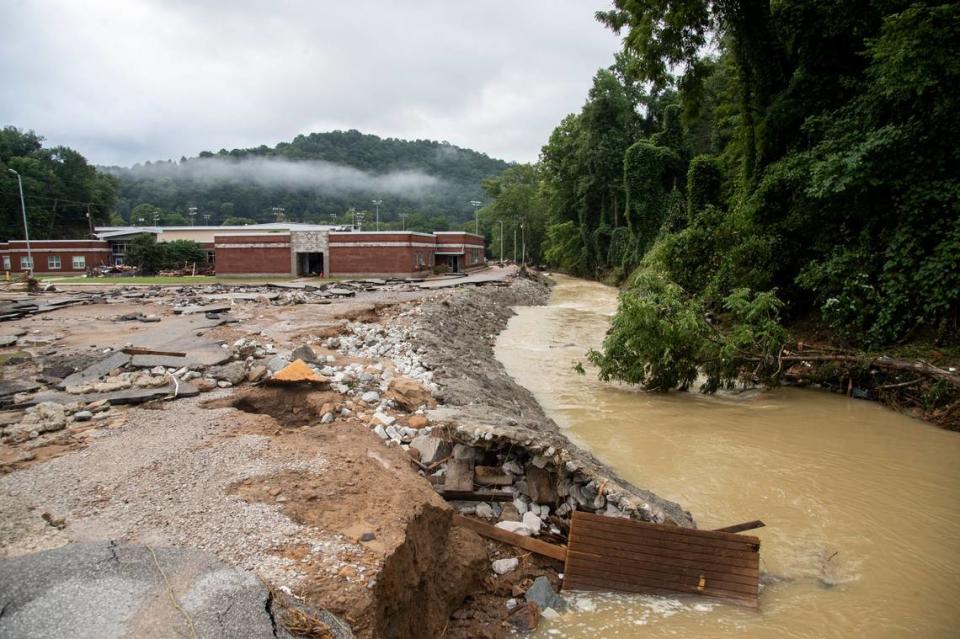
(324, 511)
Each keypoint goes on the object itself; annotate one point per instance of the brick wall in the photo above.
(253, 254)
(380, 253)
(47, 254)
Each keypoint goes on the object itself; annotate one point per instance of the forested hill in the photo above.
(312, 178)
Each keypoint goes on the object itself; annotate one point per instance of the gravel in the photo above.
(160, 480)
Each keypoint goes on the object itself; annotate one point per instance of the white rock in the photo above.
(532, 523)
(521, 505)
(484, 510)
(370, 397)
(378, 429)
(327, 418)
(514, 527)
(511, 603)
(549, 614)
(503, 566)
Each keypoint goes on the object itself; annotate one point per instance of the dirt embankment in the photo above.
(457, 334)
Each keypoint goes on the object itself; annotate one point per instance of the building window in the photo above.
(53, 262)
(6, 263)
(26, 263)
(79, 262)
(211, 258)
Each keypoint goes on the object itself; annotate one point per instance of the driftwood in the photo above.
(886, 363)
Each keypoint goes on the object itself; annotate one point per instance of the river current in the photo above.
(862, 505)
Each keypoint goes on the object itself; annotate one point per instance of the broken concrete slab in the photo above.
(10, 387)
(210, 308)
(119, 590)
(96, 371)
(8, 340)
(167, 361)
(130, 396)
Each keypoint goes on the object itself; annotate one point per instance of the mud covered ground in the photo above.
(314, 488)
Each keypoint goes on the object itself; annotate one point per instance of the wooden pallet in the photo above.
(607, 553)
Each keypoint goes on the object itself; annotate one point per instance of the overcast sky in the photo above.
(126, 81)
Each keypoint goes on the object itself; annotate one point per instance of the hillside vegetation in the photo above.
(312, 178)
(802, 166)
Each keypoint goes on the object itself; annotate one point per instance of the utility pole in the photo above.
(403, 221)
(377, 204)
(501, 243)
(278, 213)
(206, 218)
(523, 243)
(26, 230)
(156, 219)
(476, 204)
(90, 220)
(514, 241)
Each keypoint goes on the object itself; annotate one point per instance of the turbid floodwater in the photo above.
(862, 504)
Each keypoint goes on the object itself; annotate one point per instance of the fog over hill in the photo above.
(312, 178)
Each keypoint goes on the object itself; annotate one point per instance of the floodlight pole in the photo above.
(476, 216)
(26, 230)
(377, 204)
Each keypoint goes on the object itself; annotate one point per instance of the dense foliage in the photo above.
(59, 187)
(803, 165)
(314, 178)
(151, 256)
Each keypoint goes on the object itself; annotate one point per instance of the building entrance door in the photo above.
(309, 264)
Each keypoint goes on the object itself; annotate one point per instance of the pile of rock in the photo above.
(53, 417)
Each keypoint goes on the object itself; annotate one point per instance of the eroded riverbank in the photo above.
(860, 502)
(327, 491)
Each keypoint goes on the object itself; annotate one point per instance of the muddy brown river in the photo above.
(862, 505)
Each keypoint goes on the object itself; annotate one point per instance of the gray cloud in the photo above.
(133, 80)
(324, 177)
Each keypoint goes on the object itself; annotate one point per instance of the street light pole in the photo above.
(377, 204)
(403, 221)
(26, 230)
(476, 216)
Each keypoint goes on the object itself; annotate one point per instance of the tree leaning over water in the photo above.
(759, 164)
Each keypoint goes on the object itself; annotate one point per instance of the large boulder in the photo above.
(234, 372)
(432, 449)
(408, 394)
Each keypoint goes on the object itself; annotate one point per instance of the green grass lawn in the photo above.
(163, 280)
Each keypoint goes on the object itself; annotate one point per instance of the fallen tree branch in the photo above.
(888, 363)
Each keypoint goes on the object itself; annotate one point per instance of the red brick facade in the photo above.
(253, 254)
(401, 253)
(52, 257)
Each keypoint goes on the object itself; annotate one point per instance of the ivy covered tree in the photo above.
(65, 196)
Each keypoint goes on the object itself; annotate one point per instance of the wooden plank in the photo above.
(458, 476)
(668, 573)
(685, 532)
(747, 525)
(689, 586)
(526, 543)
(643, 536)
(663, 548)
(475, 495)
(607, 553)
(491, 476)
(136, 350)
(652, 563)
(605, 585)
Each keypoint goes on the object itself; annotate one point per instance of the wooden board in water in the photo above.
(608, 553)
